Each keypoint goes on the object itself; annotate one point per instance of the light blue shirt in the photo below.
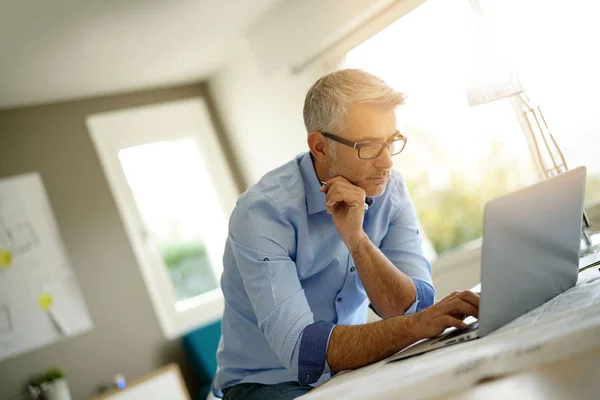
(288, 278)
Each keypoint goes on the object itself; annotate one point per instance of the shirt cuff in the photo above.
(425, 296)
(312, 358)
(327, 369)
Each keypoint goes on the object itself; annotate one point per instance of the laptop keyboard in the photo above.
(459, 332)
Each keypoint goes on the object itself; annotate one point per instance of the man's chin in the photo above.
(375, 190)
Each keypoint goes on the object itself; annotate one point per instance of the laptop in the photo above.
(530, 254)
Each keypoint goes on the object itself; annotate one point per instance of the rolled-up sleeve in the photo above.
(262, 241)
(402, 246)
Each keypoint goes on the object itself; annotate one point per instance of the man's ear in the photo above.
(317, 143)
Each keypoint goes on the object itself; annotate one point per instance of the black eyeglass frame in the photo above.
(357, 145)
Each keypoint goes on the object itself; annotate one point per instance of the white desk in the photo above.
(503, 365)
(574, 378)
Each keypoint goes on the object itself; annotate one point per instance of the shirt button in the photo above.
(339, 300)
(352, 269)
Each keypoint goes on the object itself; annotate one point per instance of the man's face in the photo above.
(366, 123)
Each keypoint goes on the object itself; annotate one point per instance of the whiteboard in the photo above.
(163, 384)
(40, 299)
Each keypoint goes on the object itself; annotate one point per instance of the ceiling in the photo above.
(54, 50)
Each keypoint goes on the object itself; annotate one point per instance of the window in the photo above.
(551, 46)
(174, 191)
(459, 157)
(175, 198)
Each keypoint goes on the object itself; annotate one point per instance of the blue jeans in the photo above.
(257, 391)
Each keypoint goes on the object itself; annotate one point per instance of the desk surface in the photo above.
(570, 374)
(575, 378)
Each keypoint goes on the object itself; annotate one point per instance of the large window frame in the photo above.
(113, 131)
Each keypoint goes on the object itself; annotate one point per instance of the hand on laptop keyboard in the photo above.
(451, 334)
(449, 312)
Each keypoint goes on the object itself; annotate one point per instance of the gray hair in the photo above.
(328, 100)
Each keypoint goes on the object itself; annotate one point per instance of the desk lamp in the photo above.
(493, 79)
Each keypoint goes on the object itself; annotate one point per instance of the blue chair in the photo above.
(200, 346)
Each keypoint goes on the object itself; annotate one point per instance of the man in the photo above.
(317, 240)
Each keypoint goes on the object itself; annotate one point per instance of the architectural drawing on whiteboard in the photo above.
(5, 320)
(18, 237)
(40, 298)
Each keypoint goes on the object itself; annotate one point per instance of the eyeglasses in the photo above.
(371, 150)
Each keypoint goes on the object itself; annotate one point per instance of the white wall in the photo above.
(260, 93)
(262, 114)
(300, 30)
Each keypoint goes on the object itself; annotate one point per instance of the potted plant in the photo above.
(54, 385)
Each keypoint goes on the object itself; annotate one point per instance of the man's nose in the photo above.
(384, 160)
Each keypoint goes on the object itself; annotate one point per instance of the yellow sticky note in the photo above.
(5, 258)
(45, 301)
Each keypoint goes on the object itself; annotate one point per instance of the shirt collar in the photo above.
(315, 199)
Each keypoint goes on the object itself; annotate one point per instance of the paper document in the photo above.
(575, 299)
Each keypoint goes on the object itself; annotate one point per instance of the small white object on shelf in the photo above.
(164, 383)
(58, 390)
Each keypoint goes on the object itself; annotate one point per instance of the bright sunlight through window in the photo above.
(459, 157)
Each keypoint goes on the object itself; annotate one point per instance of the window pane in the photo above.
(552, 46)
(457, 157)
(180, 210)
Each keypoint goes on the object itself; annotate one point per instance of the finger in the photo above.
(457, 306)
(346, 188)
(337, 193)
(330, 192)
(450, 296)
(326, 186)
(460, 306)
(466, 295)
(460, 316)
(451, 321)
(331, 199)
(470, 297)
(343, 198)
(328, 197)
(345, 183)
